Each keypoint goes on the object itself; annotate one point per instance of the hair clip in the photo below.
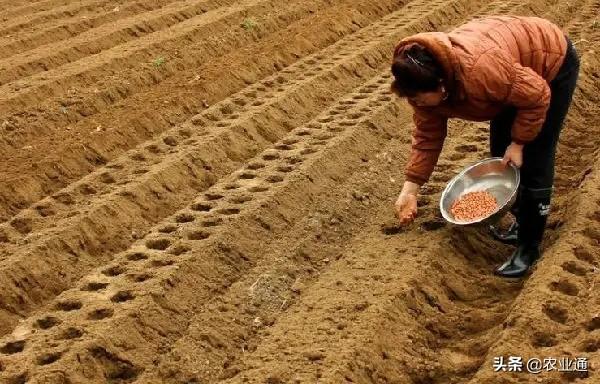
(415, 61)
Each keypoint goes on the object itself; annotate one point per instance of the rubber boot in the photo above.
(509, 236)
(532, 216)
(519, 262)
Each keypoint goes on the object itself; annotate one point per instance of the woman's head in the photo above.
(418, 76)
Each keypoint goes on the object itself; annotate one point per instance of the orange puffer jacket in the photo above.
(488, 64)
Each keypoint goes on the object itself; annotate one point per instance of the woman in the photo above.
(518, 72)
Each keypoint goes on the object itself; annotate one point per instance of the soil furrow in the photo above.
(357, 312)
(203, 236)
(18, 7)
(161, 108)
(76, 214)
(492, 332)
(32, 33)
(555, 315)
(202, 191)
(290, 260)
(107, 43)
(453, 319)
(556, 300)
(29, 22)
(317, 177)
(290, 85)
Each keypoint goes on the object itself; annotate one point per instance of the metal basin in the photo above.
(486, 175)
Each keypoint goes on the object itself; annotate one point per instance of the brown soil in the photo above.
(202, 192)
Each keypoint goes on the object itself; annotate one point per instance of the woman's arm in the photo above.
(530, 93)
(427, 141)
(496, 77)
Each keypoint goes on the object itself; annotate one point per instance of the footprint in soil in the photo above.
(595, 216)
(13, 347)
(555, 312)
(590, 345)
(456, 156)
(575, 268)
(100, 313)
(574, 375)
(441, 177)
(443, 167)
(543, 339)
(430, 189)
(433, 225)
(87, 190)
(179, 249)
(47, 322)
(593, 324)
(45, 210)
(22, 224)
(565, 286)
(584, 254)
(466, 148)
(94, 286)
(120, 370)
(392, 228)
(593, 234)
(70, 333)
(478, 138)
(423, 200)
(114, 271)
(48, 358)
(69, 305)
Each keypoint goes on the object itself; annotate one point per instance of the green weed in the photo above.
(249, 24)
(158, 62)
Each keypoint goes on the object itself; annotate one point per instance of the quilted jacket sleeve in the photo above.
(427, 141)
(496, 77)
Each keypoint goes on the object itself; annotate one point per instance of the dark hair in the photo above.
(415, 70)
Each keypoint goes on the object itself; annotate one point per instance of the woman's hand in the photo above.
(514, 154)
(406, 204)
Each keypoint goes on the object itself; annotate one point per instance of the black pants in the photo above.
(537, 171)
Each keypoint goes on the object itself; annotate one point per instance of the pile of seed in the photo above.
(473, 205)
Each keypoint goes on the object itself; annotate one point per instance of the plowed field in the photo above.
(201, 191)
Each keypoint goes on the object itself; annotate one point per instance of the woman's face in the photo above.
(428, 99)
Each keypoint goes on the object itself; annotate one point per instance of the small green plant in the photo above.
(158, 62)
(249, 24)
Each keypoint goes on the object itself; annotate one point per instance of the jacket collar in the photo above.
(440, 46)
